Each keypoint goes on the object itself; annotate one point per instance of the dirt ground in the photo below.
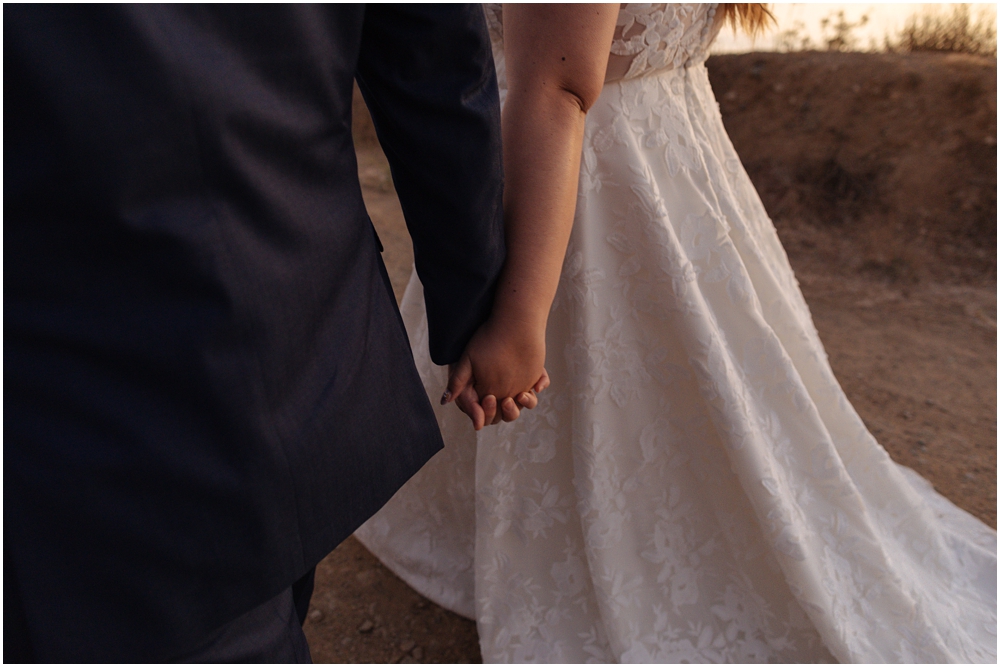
(880, 174)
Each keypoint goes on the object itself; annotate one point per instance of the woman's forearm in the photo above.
(556, 57)
(543, 136)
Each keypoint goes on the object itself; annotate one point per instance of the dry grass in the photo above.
(957, 32)
(960, 29)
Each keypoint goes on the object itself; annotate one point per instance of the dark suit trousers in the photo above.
(269, 633)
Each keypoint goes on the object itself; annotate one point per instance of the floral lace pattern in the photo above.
(663, 36)
(694, 486)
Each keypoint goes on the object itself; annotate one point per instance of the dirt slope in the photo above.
(880, 174)
(883, 164)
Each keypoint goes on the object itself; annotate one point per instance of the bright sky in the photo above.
(883, 19)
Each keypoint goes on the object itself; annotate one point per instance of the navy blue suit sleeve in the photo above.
(427, 75)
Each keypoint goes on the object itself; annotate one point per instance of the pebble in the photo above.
(417, 653)
(421, 604)
(366, 627)
(316, 616)
(407, 646)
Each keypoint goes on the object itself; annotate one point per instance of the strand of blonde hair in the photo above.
(752, 18)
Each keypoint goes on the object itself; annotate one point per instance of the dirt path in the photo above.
(918, 363)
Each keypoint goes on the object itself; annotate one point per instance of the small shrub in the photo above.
(838, 32)
(837, 35)
(793, 39)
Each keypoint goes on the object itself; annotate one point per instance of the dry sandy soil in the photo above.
(880, 174)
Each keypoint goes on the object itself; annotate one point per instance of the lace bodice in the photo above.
(648, 37)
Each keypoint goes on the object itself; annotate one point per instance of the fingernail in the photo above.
(445, 396)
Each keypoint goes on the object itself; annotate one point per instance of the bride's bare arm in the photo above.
(556, 57)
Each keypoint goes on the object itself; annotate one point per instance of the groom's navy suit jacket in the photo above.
(207, 382)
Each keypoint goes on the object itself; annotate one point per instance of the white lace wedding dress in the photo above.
(694, 486)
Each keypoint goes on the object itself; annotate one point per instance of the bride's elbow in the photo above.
(582, 96)
(556, 95)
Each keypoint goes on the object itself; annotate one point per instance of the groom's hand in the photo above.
(483, 412)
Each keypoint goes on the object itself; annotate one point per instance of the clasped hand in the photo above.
(500, 372)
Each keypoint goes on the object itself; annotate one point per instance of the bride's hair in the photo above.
(751, 17)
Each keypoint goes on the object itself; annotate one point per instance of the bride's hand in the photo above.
(504, 359)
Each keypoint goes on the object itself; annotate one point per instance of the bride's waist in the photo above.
(618, 67)
(691, 66)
